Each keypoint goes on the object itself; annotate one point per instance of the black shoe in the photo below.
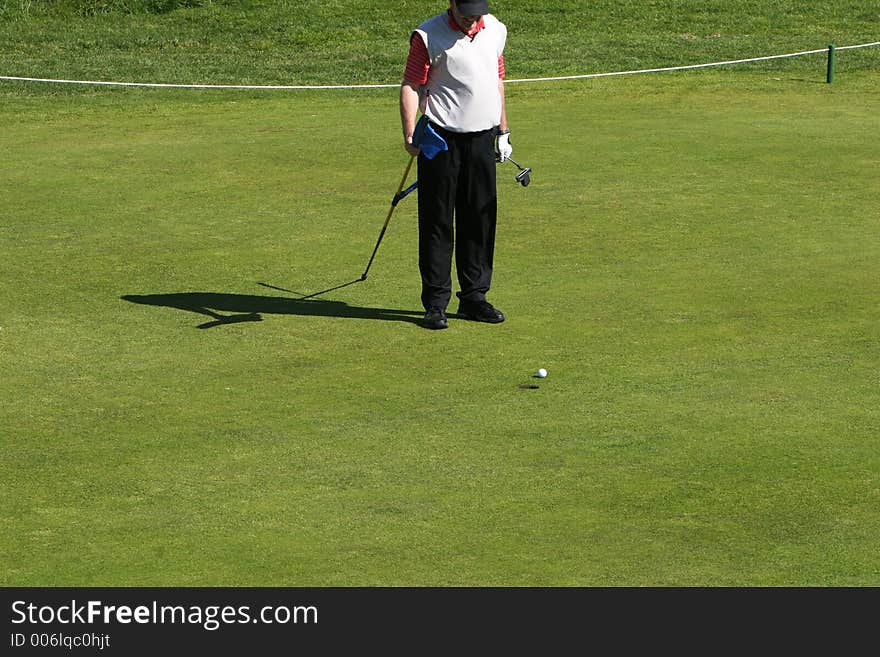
(435, 318)
(480, 311)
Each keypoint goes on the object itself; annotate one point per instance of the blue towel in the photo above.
(426, 138)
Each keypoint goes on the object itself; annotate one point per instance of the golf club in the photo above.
(401, 193)
(524, 177)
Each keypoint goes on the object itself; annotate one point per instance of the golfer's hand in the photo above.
(412, 150)
(503, 147)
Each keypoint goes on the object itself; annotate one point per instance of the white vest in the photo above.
(461, 93)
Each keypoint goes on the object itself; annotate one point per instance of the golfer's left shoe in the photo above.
(435, 318)
(480, 311)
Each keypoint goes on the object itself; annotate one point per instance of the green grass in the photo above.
(694, 264)
(345, 42)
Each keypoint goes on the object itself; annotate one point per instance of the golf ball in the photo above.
(542, 373)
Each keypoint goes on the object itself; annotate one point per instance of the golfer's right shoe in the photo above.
(480, 311)
(435, 318)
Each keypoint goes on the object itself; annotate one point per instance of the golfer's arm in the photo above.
(409, 107)
(503, 124)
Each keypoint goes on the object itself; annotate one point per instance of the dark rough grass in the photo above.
(350, 42)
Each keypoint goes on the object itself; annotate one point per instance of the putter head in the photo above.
(524, 177)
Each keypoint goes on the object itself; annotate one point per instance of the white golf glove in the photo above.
(503, 147)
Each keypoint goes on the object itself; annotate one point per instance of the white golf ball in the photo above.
(542, 373)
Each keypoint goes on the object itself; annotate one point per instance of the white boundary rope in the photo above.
(693, 66)
(207, 86)
(394, 86)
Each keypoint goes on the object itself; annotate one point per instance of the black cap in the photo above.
(472, 7)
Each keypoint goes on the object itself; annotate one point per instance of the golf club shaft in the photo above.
(390, 212)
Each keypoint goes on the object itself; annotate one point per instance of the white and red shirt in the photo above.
(458, 73)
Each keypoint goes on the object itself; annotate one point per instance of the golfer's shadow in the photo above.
(251, 308)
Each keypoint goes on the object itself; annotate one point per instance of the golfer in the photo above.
(454, 78)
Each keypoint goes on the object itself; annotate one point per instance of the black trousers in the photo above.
(458, 207)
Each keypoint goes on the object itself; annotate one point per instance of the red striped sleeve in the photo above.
(417, 63)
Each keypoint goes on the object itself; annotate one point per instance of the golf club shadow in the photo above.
(251, 308)
(313, 294)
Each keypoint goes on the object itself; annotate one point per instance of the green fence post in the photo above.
(829, 78)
